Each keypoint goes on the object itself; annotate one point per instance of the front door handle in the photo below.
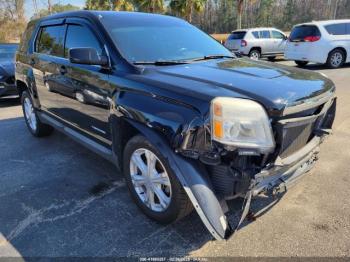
(63, 70)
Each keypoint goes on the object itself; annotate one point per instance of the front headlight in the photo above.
(241, 123)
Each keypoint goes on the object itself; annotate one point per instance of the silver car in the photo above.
(257, 42)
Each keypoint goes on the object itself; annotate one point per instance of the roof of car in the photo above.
(96, 14)
(256, 28)
(326, 22)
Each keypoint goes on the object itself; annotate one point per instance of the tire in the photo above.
(301, 63)
(254, 54)
(35, 126)
(177, 204)
(271, 58)
(80, 97)
(336, 58)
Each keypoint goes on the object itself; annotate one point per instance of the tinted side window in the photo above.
(265, 34)
(256, 34)
(336, 29)
(51, 41)
(81, 36)
(277, 35)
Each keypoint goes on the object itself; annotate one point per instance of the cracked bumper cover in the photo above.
(279, 179)
(285, 176)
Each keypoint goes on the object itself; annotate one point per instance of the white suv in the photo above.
(257, 42)
(325, 42)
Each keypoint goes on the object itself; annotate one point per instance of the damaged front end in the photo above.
(230, 171)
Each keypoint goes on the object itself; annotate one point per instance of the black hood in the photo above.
(273, 85)
(7, 67)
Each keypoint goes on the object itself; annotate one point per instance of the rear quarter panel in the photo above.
(342, 41)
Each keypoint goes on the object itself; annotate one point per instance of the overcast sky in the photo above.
(29, 9)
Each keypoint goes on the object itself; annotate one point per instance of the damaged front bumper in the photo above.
(286, 171)
(279, 179)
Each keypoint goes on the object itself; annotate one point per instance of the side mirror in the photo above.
(87, 56)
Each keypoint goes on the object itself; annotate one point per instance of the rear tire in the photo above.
(35, 126)
(255, 54)
(301, 63)
(175, 203)
(336, 59)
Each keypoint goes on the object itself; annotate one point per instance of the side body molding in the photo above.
(195, 182)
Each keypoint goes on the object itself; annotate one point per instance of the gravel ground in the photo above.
(59, 199)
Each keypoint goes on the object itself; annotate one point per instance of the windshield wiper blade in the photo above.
(180, 62)
(209, 57)
(160, 63)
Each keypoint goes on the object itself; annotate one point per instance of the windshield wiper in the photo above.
(180, 62)
(160, 63)
(209, 57)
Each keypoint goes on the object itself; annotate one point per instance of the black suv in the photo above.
(188, 123)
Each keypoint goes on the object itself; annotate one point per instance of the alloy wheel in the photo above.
(30, 114)
(336, 59)
(150, 180)
(254, 56)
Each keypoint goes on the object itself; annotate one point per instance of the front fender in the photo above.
(195, 182)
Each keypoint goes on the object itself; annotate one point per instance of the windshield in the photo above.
(150, 38)
(7, 52)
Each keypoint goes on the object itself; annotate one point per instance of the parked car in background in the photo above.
(188, 123)
(7, 70)
(257, 42)
(324, 42)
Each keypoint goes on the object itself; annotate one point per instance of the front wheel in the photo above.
(35, 126)
(301, 63)
(152, 184)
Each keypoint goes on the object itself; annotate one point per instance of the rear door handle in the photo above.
(63, 70)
